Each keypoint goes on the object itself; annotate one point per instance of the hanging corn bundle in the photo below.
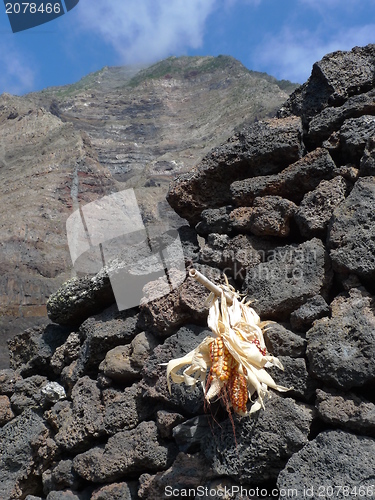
(231, 363)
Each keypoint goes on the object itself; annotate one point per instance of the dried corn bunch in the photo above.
(231, 363)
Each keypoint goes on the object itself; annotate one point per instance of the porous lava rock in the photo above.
(282, 428)
(351, 236)
(334, 79)
(303, 318)
(125, 452)
(334, 460)
(346, 410)
(316, 209)
(292, 183)
(264, 148)
(19, 458)
(291, 274)
(341, 349)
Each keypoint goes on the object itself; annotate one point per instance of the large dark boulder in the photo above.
(341, 349)
(257, 448)
(333, 80)
(264, 148)
(331, 119)
(351, 235)
(335, 463)
(291, 275)
(292, 183)
(19, 465)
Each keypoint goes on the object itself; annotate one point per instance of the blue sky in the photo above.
(281, 37)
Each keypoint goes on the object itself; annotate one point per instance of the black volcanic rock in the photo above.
(367, 163)
(351, 235)
(292, 183)
(331, 119)
(291, 275)
(285, 424)
(347, 411)
(125, 452)
(348, 144)
(347, 458)
(264, 148)
(341, 349)
(316, 209)
(333, 80)
(18, 458)
(314, 308)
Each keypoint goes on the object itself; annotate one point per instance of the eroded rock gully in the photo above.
(307, 259)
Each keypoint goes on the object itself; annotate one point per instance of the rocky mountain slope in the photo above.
(163, 119)
(120, 127)
(287, 208)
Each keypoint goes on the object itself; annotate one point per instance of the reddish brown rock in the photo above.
(66, 353)
(6, 412)
(240, 219)
(271, 216)
(124, 363)
(115, 491)
(166, 421)
(184, 304)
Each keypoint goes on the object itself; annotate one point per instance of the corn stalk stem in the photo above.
(193, 273)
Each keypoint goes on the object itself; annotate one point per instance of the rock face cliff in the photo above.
(120, 127)
(286, 208)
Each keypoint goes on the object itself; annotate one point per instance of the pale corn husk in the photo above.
(241, 331)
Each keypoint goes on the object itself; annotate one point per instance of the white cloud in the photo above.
(148, 30)
(291, 54)
(143, 31)
(16, 76)
(330, 4)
